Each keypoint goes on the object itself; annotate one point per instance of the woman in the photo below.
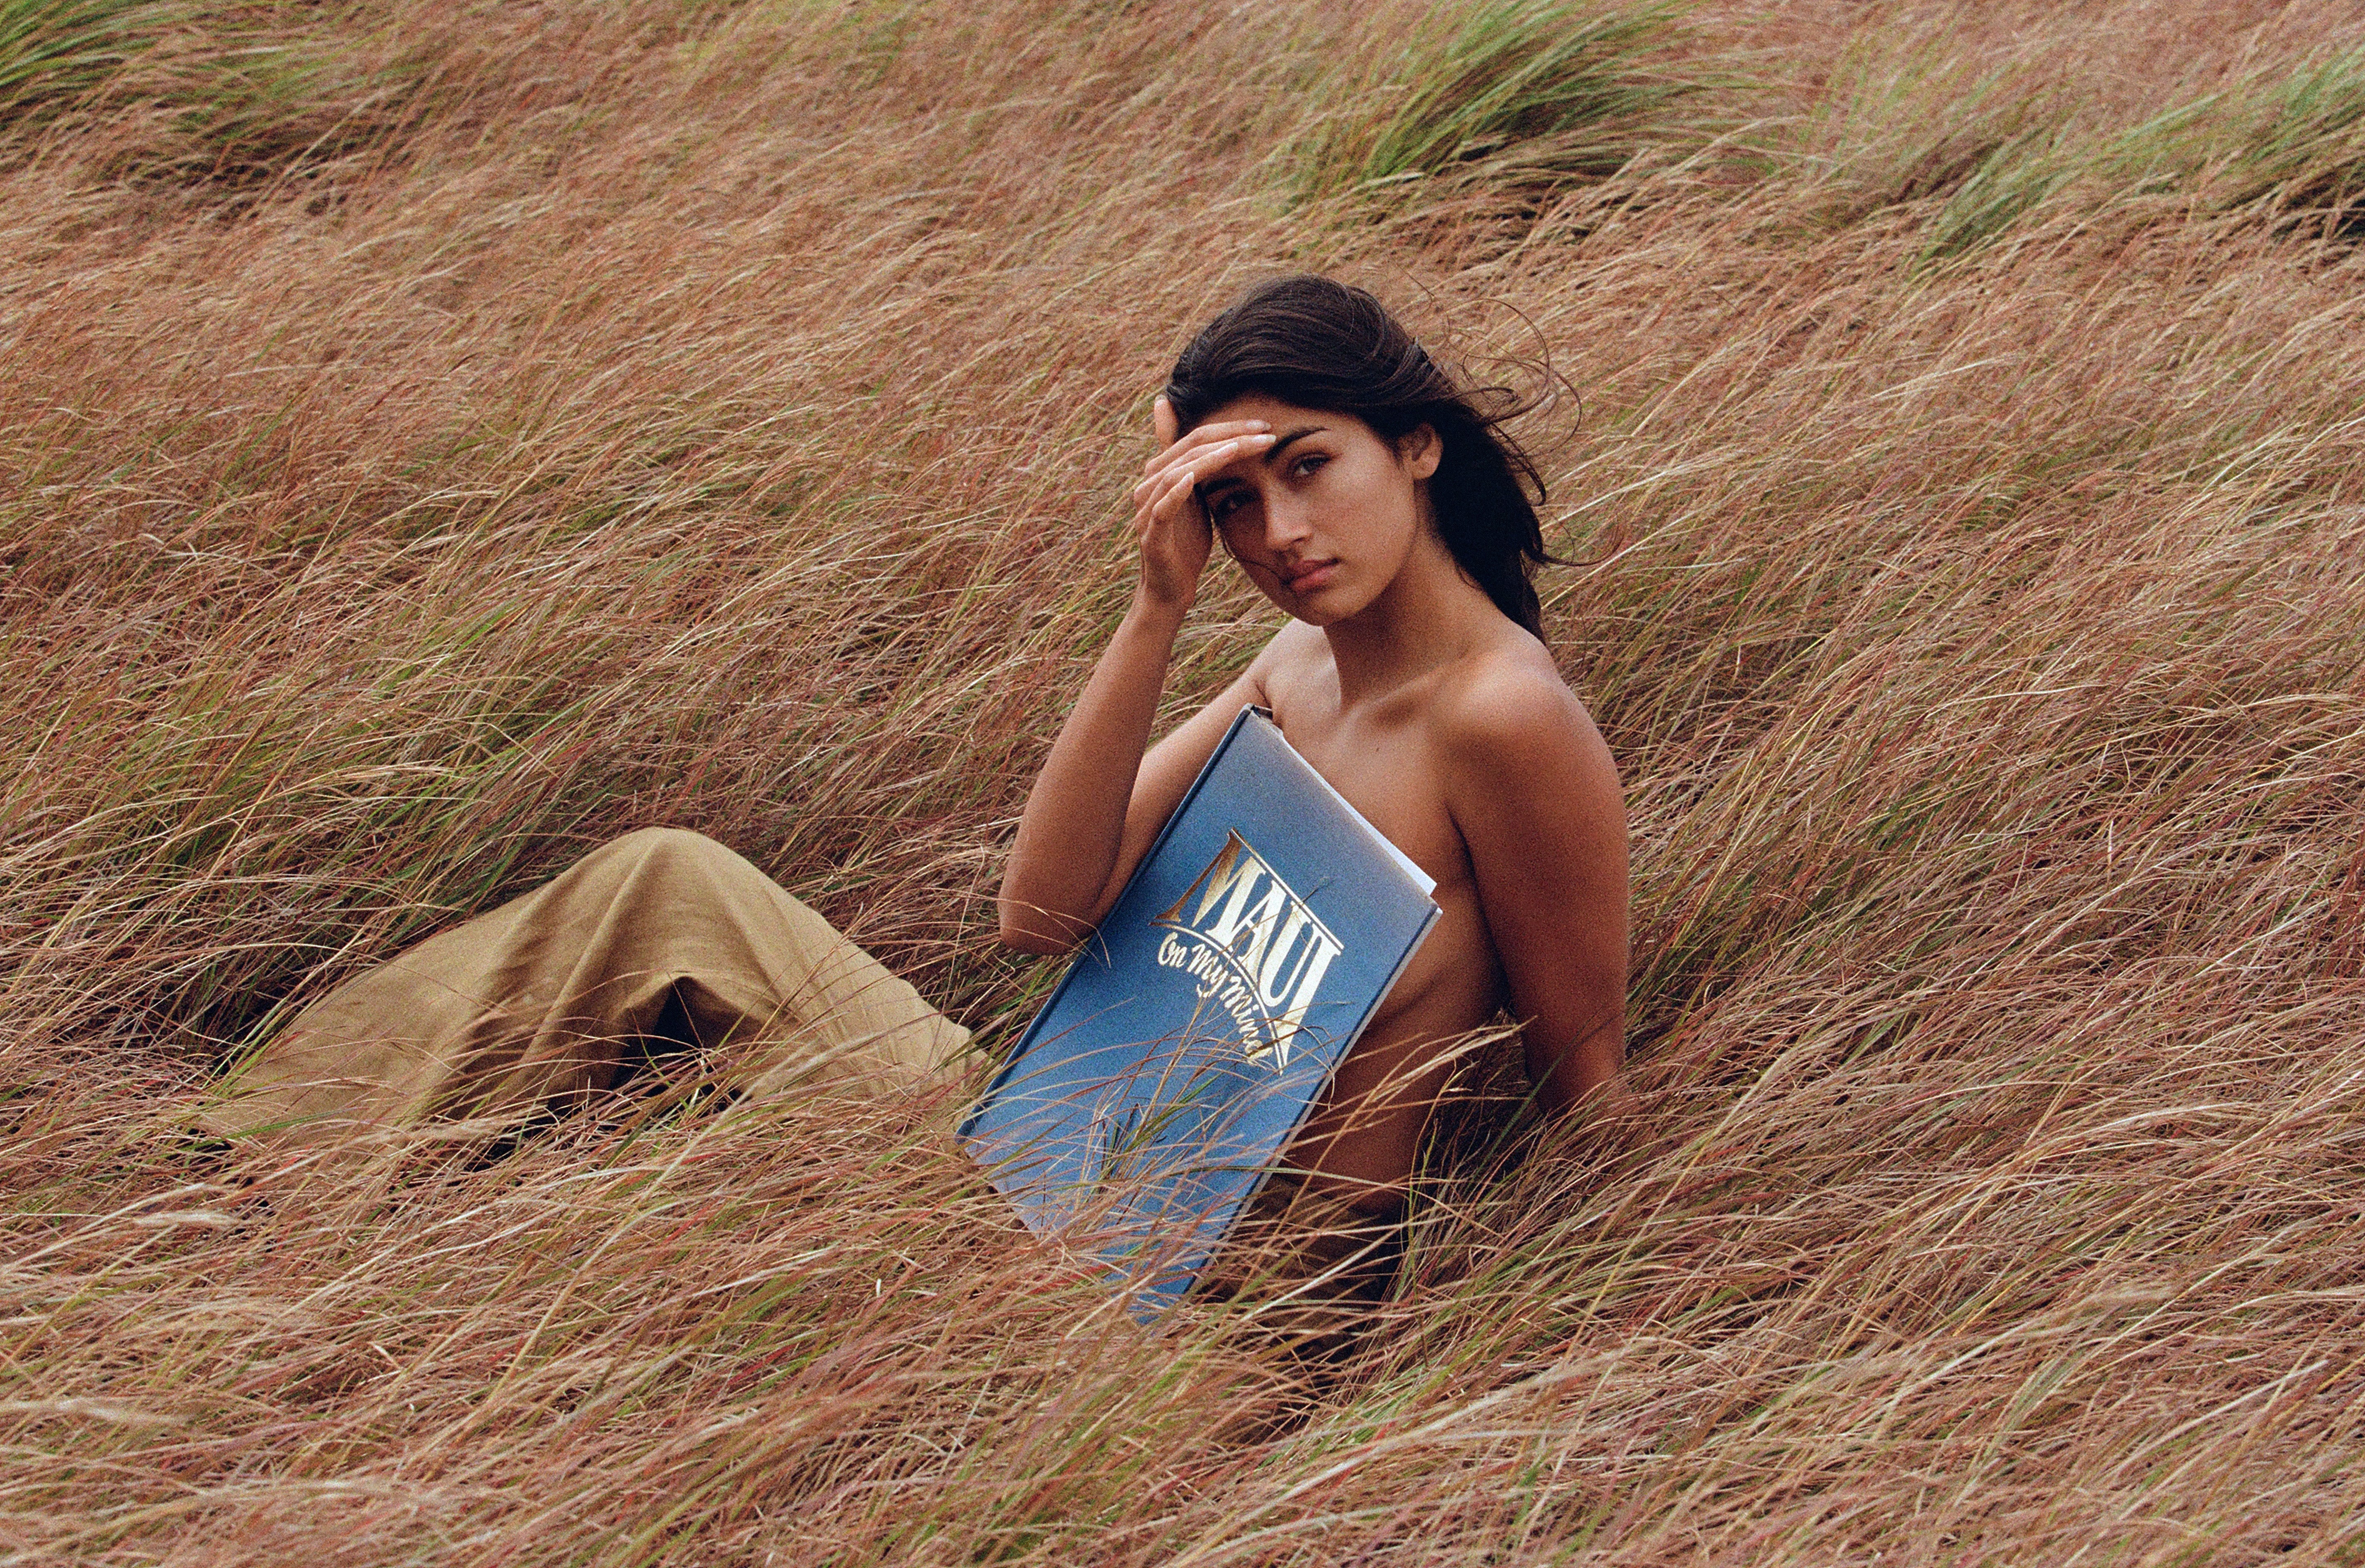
(1363, 494)
(1368, 499)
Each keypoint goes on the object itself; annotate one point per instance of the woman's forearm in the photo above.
(1074, 829)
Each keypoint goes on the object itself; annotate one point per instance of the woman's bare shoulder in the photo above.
(1510, 682)
(1296, 642)
(1508, 708)
(1295, 652)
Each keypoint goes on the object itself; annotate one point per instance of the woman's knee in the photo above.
(671, 842)
(668, 853)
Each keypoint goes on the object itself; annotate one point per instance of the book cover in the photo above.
(1197, 1027)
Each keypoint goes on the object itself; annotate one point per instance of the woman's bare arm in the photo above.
(1099, 801)
(1535, 794)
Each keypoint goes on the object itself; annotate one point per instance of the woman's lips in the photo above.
(1310, 576)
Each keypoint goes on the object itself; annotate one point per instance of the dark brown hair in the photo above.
(1322, 344)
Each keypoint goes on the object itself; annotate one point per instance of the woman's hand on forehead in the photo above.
(1230, 439)
(1170, 526)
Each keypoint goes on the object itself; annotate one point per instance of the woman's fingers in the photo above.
(1183, 475)
(1170, 530)
(1178, 494)
(1206, 435)
(1200, 460)
(1164, 502)
(1162, 468)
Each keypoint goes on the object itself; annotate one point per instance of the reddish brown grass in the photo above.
(716, 416)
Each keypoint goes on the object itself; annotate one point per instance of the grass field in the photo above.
(437, 437)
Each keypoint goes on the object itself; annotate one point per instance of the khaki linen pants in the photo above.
(552, 999)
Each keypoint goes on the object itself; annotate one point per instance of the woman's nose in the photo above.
(1285, 523)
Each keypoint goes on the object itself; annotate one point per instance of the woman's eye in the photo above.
(1223, 506)
(1305, 466)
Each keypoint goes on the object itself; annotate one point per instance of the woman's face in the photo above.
(1323, 519)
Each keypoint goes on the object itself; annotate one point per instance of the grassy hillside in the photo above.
(435, 438)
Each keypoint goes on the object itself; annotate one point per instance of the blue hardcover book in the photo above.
(1195, 1031)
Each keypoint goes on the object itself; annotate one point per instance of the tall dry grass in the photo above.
(529, 422)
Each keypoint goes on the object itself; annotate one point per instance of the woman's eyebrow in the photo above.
(1298, 434)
